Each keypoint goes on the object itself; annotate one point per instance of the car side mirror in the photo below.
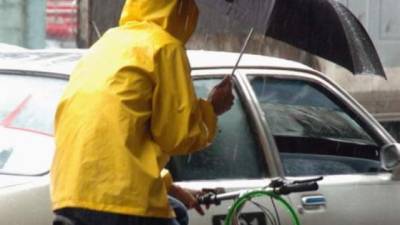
(390, 159)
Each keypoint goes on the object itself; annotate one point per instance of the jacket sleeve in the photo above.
(180, 122)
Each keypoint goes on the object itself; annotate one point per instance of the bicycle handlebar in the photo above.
(208, 199)
(279, 187)
(297, 187)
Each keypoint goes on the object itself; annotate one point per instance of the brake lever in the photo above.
(276, 183)
(280, 183)
(308, 180)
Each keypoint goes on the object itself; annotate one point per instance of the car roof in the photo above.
(207, 59)
(62, 61)
(49, 61)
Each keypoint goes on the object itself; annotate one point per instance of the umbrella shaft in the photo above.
(242, 50)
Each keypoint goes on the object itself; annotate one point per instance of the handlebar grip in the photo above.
(208, 199)
(298, 187)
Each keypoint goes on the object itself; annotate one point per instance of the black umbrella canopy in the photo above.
(328, 29)
(234, 15)
(325, 28)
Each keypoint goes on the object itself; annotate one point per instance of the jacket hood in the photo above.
(177, 17)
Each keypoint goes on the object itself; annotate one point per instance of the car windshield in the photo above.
(297, 108)
(313, 127)
(27, 109)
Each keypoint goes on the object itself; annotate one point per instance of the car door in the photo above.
(319, 131)
(235, 160)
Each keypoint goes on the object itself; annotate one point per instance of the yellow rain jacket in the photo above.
(130, 105)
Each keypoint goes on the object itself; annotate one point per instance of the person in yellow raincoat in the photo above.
(129, 106)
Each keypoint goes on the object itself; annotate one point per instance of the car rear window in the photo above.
(27, 109)
(29, 102)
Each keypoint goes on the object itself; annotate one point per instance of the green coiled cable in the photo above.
(252, 194)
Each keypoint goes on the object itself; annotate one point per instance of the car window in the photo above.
(27, 109)
(29, 102)
(234, 154)
(314, 132)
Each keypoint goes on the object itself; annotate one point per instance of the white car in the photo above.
(288, 121)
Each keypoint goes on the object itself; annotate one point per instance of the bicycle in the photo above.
(275, 190)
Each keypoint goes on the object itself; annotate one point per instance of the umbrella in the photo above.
(328, 29)
(324, 28)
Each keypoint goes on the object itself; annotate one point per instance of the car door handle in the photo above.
(313, 201)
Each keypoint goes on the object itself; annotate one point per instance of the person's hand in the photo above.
(221, 96)
(188, 197)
